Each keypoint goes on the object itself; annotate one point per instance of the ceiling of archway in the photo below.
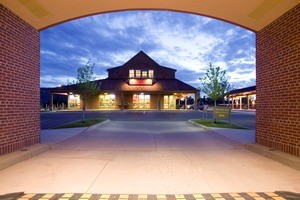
(251, 14)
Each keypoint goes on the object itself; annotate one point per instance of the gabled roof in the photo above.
(160, 85)
(243, 90)
(164, 79)
(143, 62)
(141, 57)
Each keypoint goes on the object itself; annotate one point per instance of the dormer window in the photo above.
(141, 73)
(144, 74)
(131, 73)
(150, 74)
(137, 73)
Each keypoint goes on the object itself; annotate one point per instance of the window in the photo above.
(141, 101)
(138, 73)
(145, 74)
(107, 101)
(150, 74)
(141, 73)
(131, 73)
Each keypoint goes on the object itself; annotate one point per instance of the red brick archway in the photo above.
(19, 83)
(278, 83)
(278, 74)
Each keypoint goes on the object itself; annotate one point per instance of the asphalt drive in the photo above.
(51, 120)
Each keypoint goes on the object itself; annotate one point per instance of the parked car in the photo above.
(200, 106)
(190, 106)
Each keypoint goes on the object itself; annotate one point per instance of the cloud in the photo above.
(182, 41)
(55, 81)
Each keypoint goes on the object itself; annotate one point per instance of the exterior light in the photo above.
(140, 82)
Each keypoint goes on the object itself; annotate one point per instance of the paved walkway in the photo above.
(146, 158)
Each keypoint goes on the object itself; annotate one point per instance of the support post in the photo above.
(158, 102)
(248, 101)
(196, 101)
(122, 100)
(240, 103)
(51, 102)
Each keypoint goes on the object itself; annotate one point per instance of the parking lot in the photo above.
(53, 119)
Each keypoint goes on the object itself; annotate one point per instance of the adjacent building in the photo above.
(244, 98)
(140, 83)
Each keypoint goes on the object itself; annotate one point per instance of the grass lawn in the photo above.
(218, 124)
(86, 123)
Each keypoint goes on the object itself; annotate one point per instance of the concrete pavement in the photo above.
(127, 157)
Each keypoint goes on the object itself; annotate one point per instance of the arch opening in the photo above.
(183, 41)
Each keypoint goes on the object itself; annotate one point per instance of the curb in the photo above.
(23, 154)
(199, 125)
(214, 134)
(284, 158)
(97, 125)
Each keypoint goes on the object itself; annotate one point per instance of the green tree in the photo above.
(86, 86)
(215, 82)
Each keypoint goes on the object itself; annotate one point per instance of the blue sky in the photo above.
(182, 41)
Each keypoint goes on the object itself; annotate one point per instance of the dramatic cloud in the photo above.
(182, 41)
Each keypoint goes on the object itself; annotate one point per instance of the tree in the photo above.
(86, 87)
(215, 82)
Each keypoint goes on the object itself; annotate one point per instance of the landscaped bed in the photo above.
(85, 123)
(217, 124)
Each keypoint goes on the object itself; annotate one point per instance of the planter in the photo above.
(123, 107)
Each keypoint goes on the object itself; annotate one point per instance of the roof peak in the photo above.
(142, 56)
(141, 53)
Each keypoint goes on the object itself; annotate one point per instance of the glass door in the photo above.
(169, 102)
(141, 101)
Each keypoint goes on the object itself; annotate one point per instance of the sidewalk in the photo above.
(146, 158)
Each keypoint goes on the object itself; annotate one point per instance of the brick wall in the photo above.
(93, 103)
(19, 83)
(278, 84)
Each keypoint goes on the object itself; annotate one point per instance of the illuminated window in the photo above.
(141, 101)
(141, 73)
(145, 74)
(74, 101)
(138, 73)
(131, 73)
(150, 74)
(107, 101)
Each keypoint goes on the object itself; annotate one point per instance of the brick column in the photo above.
(19, 83)
(278, 83)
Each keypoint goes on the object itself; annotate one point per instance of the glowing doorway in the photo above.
(141, 101)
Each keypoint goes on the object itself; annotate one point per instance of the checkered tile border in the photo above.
(208, 196)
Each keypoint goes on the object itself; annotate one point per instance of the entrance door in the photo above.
(141, 101)
(169, 102)
(74, 101)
